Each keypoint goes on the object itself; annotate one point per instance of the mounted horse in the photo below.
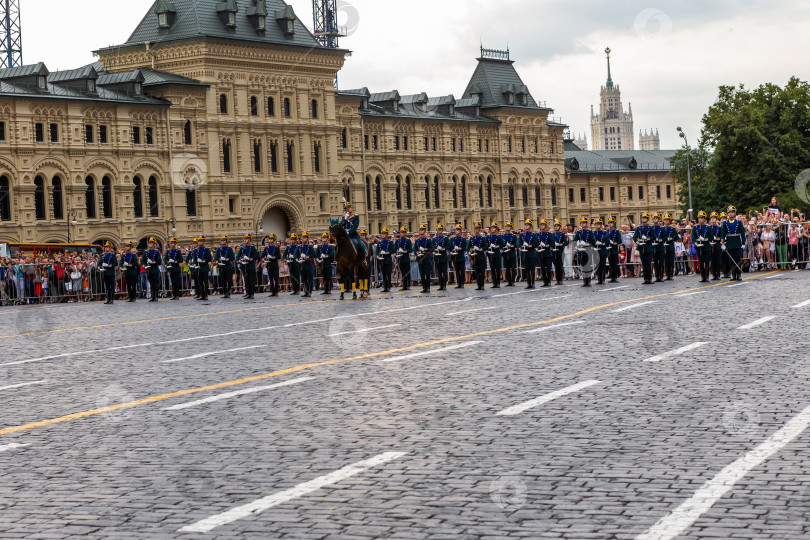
(352, 266)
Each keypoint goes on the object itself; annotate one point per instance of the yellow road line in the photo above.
(295, 369)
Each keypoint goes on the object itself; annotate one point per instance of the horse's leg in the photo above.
(342, 285)
(354, 284)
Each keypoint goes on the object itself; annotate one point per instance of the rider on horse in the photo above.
(351, 222)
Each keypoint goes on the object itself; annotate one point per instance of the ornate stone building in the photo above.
(221, 117)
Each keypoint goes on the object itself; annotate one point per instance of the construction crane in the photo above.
(10, 33)
(325, 23)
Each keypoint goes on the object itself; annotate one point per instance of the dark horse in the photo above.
(353, 273)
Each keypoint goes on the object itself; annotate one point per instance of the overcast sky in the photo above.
(669, 56)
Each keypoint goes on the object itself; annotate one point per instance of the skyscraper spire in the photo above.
(610, 80)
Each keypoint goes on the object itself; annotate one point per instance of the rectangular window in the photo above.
(553, 196)
(136, 135)
(435, 146)
(232, 205)
(316, 155)
(486, 146)
(274, 157)
(480, 146)
(601, 194)
(571, 195)
(523, 144)
(54, 132)
(344, 139)
(426, 144)
(453, 144)
(375, 140)
(365, 141)
(405, 143)
(461, 145)
(88, 134)
(509, 143)
(640, 192)
(150, 136)
(658, 192)
(396, 142)
(582, 194)
(314, 108)
(612, 193)
(669, 192)
(2, 131)
(629, 193)
(102, 134)
(271, 106)
(39, 132)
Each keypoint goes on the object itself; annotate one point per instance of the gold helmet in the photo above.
(153, 240)
(479, 224)
(385, 230)
(611, 219)
(459, 227)
(109, 244)
(225, 237)
(305, 234)
(557, 222)
(272, 237)
(294, 236)
(403, 229)
(656, 215)
(723, 215)
(495, 224)
(544, 222)
(422, 227)
(702, 214)
(363, 231)
(325, 235)
(201, 238)
(173, 240)
(248, 236)
(529, 222)
(599, 221)
(509, 224)
(439, 227)
(645, 215)
(714, 215)
(130, 244)
(583, 219)
(732, 209)
(347, 205)
(668, 216)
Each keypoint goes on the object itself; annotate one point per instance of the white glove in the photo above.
(723, 247)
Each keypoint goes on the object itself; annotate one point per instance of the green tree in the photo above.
(759, 141)
(704, 185)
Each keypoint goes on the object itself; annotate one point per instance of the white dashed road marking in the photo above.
(613, 289)
(803, 304)
(522, 407)
(689, 294)
(235, 394)
(295, 492)
(634, 306)
(680, 519)
(676, 352)
(11, 446)
(472, 310)
(363, 330)
(21, 385)
(757, 322)
(211, 353)
(435, 351)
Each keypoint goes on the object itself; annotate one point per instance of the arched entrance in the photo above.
(143, 244)
(275, 221)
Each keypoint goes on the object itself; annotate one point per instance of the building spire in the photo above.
(609, 80)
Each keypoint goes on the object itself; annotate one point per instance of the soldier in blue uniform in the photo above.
(151, 260)
(658, 247)
(224, 258)
(670, 237)
(585, 242)
(496, 245)
(717, 247)
(478, 247)
(385, 256)
(560, 243)
(248, 257)
(545, 240)
(423, 249)
(326, 258)
(109, 263)
(404, 248)
(643, 239)
(528, 244)
(510, 254)
(351, 222)
(131, 268)
(614, 241)
(443, 247)
(733, 236)
(204, 259)
(602, 244)
(172, 260)
(291, 254)
(306, 254)
(458, 256)
(725, 260)
(271, 255)
(702, 238)
(194, 267)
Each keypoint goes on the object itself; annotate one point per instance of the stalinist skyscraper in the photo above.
(612, 128)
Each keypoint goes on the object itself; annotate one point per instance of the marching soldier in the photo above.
(510, 254)
(602, 244)
(365, 276)
(643, 239)
(271, 256)
(131, 268)
(306, 254)
(248, 257)
(717, 247)
(459, 261)
(560, 243)
(496, 245)
(545, 242)
(224, 258)
(203, 259)
(385, 254)
(670, 237)
(351, 222)
(404, 248)
(733, 236)
(528, 243)
(151, 260)
(443, 246)
(172, 260)
(585, 242)
(658, 248)
(725, 261)
(326, 256)
(109, 263)
(194, 268)
(703, 239)
(614, 241)
(478, 247)
(423, 249)
(291, 256)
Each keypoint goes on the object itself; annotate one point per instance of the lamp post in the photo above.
(259, 227)
(688, 169)
(72, 219)
(173, 223)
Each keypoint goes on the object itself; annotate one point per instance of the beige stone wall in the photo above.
(622, 205)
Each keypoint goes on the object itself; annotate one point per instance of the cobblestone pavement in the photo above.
(411, 416)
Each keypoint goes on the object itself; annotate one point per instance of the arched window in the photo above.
(223, 104)
(511, 196)
(344, 139)
(455, 192)
(316, 156)
(254, 106)
(90, 197)
(427, 192)
(39, 197)
(287, 108)
(290, 157)
(525, 195)
(137, 196)
(191, 202)
(154, 201)
(481, 191)
(489, 191)
(5, 199)
(437, 200)
(257, 156)
(314, 108)
(378, 192)
(368, 191)
(399, 193)
(106, 197)
(271, 106)
(464, 192)
(226, 155)
(187, 133)
(347, 190)
(553, 195)
(58, 201)
(408, 201)
(274, 157)
(537, 200)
